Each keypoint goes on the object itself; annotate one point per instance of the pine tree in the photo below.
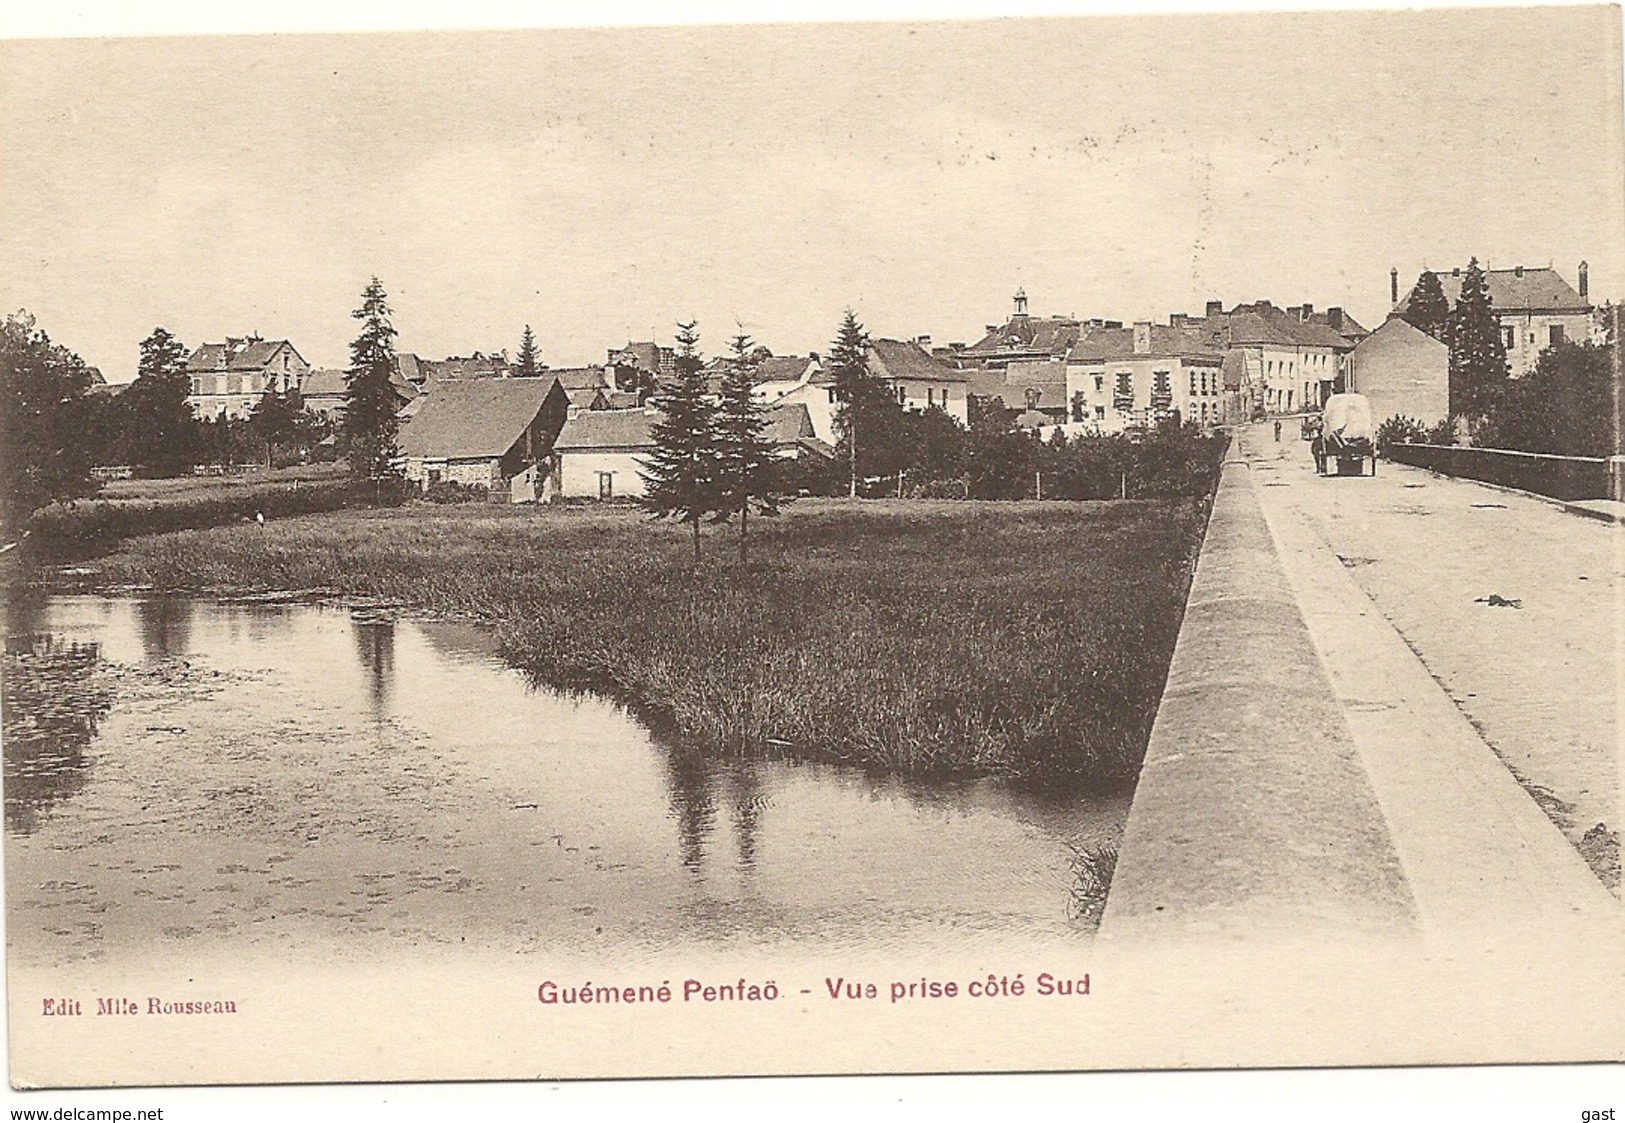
(370, 424)
(679, 476)
(744, 456)
(1478, 359)
(528, 362)
(161, 437)
(849, 364)
(1427, 310)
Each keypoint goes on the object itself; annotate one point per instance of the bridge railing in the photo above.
(1559, 477)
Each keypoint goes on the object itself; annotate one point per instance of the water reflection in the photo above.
(375, 644)
(262, 741)
(165, 624)
(52, 703)
(689, 784)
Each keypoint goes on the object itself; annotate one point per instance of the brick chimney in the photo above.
(1393, 285)
(1308, 312)
(1214, 308)
(1517, 271)
(1334, 318)
(1142, 337)
(924, 342)
(1585, 281)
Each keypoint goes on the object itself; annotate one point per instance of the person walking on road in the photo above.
(1277, 432)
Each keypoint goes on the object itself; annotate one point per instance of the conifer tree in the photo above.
(1478, 358)
(1427, 309)
(528, 362)
(370, 424)
(744, 456)
(679, 476)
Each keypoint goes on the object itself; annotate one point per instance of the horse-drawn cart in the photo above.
(1345, 437)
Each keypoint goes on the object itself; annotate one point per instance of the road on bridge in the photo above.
(1512, 605)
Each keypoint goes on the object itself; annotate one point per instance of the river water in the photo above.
(275, 780)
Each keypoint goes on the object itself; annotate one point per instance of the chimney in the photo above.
(1585, 281)
(813, 355)
(1517, 271)
(1177, 319)
(1215, 308)
(1456, 272)
(924, 341)
(1393, 285)
(1334, 318)
(1142, 337)
(1308, 311)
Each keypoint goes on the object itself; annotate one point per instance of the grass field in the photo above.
(1027, 640)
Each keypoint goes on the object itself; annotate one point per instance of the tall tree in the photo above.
(1427, 310)
(1568, 406)
(1478, 358)
(528, 362)
(279, 421)
(370, 424)
(744, 456)
(161, 436)
(43, 454)
(849, 365)
(679, 476)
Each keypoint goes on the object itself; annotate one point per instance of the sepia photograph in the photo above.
(843, 544)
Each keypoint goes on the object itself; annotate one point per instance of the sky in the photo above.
(603, 184)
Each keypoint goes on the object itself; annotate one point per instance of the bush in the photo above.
(1400, 430)
(449, 491)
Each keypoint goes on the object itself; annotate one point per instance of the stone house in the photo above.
(229, 378)
(484, 432)
(1536, 308)
(1402, 371)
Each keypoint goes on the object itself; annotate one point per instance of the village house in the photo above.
(1035, 387)
(1123, 378)
(1536, 308)
(325, 392)
(1403, 372)
(600, 454)
(919, 380)
(796, 380)
(1286, 363)
(229, 378)
(496, 434)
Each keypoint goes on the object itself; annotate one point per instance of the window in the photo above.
(1100, 383)
(1079, 405)
(930, 395)
(1162, 391)
(1123, 394)
(1100, 413)
(1554, 335)
(832, 395)
(1508, 339)
(1193, 383)
(606, 485)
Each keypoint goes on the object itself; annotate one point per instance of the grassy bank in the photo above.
(126, 508)
(1018, 639)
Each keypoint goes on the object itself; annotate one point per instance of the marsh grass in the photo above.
(1022, 640)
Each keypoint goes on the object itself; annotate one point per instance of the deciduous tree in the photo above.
(161, 436)
(43, 454)
(1427, 310)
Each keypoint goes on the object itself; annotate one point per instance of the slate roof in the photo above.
(463, 419)
(1055, 334)
(1516, 289)
(1107, 344)
(789, 423)
(466, 366)
(580, 378)
(237, 355)
(601, 429)
(895, 359)
(324, 383)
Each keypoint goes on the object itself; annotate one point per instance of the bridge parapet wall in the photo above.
(1253, 814)
(1557, 477)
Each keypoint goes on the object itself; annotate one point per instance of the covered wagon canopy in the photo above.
(1347, 418)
